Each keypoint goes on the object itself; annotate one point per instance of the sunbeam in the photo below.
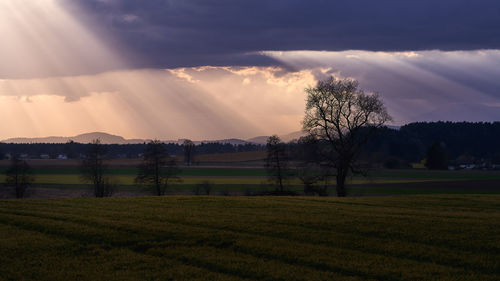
(57, 63)
(217, 103)
(60, 74)
(41, 39)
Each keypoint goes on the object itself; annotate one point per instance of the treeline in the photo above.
(463, 142)
(73, 150)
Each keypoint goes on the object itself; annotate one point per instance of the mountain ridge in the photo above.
(106, 138)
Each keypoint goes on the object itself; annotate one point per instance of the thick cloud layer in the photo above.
(226, 102)
(173, 33)
(66, 63)
(416, 86)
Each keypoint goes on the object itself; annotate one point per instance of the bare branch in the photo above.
(344, 116)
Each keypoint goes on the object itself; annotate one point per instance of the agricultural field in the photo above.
(63, 177)
(424, 237)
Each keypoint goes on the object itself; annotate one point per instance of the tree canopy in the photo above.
(344, 116)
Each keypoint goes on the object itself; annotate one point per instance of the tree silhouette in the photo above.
(188, 147)
(342, 115)
(93, 169)
(277, 162)
(157, 169)
(19, 176)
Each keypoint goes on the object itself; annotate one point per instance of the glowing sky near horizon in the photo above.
(60, 75)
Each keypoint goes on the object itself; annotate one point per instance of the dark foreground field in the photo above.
(428, 237)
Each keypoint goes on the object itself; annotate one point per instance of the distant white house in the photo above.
(44, 156)
(468, 166)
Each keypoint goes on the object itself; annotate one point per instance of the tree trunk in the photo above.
(280, 177)
(16, 184)
(157, 177)
(341, 176)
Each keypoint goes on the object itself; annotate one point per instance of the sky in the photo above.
(207, 69)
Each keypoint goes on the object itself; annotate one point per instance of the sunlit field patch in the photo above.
(439, 237)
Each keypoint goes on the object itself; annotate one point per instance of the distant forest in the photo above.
(73, 150)
(464, 142)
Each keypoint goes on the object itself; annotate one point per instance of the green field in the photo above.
(431, 237)
(207, 171)
(249, 180)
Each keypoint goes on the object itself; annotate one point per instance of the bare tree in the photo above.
(93, 169)
(19, 176)
(157, 168)
(188, 147)
(344, 116)
(277, 162)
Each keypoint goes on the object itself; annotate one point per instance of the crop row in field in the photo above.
(129, 180)
(238, 181)
(261, 172)
(237, 238)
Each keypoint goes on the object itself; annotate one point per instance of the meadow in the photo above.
(251, 178)
(423, 237)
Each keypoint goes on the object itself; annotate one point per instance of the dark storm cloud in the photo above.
(174, 33)
(416, 86)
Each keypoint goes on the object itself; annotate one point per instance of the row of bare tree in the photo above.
(157, 170)
(339, 119)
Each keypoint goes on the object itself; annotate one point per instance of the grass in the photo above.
(438, 237)
(261, 172)
(218, 180)
(361, 191)
(438, 175)
(240, 180)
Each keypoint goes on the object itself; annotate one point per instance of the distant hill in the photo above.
(286, 138)
(258, 140)
(224, 141)
(83, 138)
(293, 136)
(114, 139)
